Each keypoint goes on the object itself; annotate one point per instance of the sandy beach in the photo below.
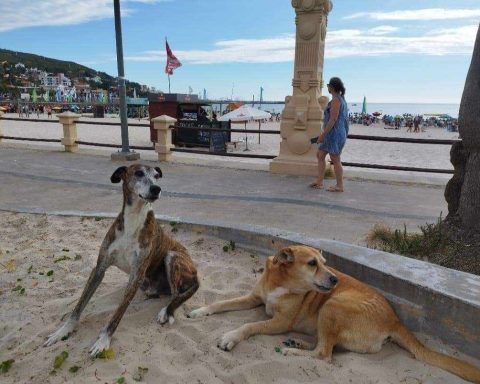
(359, 151)
(33, 245)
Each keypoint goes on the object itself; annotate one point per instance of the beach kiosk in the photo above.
(192, 114)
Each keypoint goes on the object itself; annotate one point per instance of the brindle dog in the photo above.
(137, 245)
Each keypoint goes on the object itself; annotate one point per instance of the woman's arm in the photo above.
(334, 112)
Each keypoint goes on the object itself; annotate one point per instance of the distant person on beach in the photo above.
(334, 135)
(49, 112)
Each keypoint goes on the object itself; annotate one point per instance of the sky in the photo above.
(386, 50)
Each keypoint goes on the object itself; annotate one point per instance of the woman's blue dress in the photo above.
(336, 138)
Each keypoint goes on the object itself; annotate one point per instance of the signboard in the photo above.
(217, 142)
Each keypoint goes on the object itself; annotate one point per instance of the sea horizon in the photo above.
(392, 109)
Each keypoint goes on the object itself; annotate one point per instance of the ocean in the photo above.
(385, 108)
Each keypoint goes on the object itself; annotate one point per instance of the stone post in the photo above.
(1, 133)
(164, 136)
(68, 119)
(302, 118)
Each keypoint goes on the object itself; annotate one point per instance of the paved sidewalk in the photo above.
(43, 180)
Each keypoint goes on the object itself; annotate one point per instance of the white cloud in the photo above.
(341, 43)
(419, 14)
(382, 30)
(16, 14)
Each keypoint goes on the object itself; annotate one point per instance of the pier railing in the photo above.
(207, 152)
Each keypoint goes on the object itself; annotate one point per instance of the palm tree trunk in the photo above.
(463, 190)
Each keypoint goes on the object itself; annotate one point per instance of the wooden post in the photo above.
(68, 120)
(164, 144)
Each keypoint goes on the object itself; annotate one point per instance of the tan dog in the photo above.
(301, 294)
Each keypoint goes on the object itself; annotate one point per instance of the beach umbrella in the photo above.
(243, 115)
(364, 106)
(34, 95)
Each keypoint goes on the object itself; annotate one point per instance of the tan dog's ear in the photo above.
(321, 257)
(284, 256)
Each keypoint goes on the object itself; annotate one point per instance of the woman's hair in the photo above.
(337, 84)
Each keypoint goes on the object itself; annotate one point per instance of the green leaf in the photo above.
(6, 365)
(30, 269)
(121, 380)
(50, 273)
(60, 359)
(225, 248)
(106, 354)
(74, 368)
(278, 349)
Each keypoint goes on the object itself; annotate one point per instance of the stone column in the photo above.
(68, 119)
(302, 118)
(1, 133)
(164, 136)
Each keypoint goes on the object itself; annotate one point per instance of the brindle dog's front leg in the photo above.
(136, 277)
(96, 277)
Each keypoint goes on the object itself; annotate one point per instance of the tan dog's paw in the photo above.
(200, 312)
(229, 340)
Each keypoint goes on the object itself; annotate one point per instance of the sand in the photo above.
(185, 352)
(358, 151)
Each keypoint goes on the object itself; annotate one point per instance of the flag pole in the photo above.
(125, 153)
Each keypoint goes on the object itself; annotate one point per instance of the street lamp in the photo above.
(125, 153)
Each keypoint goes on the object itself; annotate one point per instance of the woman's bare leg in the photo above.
(318, 183)
(337, 167)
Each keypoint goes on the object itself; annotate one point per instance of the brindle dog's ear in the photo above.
(118, 174)
(284, 256)
(159, 171)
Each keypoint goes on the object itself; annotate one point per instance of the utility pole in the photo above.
(125, 153)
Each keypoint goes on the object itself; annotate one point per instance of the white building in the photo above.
(53, 81)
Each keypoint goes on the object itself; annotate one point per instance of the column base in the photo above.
(299, 168)
(125, 156)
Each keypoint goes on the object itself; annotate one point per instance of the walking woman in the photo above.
(334, 135)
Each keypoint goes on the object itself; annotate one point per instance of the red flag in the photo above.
(172, 61)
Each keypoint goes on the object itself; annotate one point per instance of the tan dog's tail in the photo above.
(407, 340)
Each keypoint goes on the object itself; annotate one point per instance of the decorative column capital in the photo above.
(324, 6)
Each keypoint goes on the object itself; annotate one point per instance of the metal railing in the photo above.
(241, 155)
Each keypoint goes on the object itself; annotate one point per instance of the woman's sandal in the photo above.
(315, 185)
(334, 189)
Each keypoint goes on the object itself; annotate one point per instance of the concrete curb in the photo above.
(430, 299)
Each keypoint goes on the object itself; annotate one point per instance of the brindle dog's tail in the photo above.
(406, 339)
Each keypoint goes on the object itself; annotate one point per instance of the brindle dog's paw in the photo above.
(61, 334)
(229, 340)
(163, 317)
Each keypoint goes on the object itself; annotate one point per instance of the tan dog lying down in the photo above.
(301, 294)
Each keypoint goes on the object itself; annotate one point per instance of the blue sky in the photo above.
(388, 50)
